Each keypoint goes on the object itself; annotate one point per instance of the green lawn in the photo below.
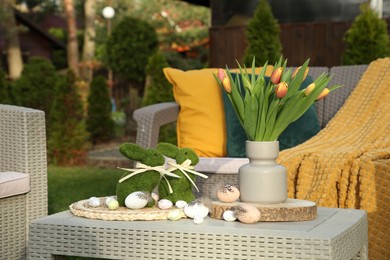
(70, 184)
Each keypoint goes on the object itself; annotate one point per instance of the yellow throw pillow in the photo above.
(201, 122)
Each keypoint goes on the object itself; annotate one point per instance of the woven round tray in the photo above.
(82, 209)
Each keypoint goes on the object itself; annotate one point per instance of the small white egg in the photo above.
(165, 204)
(94, 202)
(198, 220)
(181, 204)
(228, 193)
(174, 214)
(229, 215)
(108, 199)
(137, 200)
(113, 204)
(195, 208)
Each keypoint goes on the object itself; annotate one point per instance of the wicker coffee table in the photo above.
(335, 234)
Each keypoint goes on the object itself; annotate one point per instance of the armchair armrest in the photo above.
(149, 120)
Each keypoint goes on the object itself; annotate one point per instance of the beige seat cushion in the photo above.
(13, 183)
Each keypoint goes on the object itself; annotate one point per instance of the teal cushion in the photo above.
(296, 133)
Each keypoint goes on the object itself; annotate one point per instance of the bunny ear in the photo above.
(187, 153)
(167, 149)
(132, 151)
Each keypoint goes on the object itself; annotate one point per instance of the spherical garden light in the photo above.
(108, 12)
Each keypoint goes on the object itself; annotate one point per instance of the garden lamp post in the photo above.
(108, 13)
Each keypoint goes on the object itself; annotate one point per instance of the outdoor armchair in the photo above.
(22, 153)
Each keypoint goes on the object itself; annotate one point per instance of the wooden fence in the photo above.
(322, 42)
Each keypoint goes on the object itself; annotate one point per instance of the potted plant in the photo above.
(265, 108)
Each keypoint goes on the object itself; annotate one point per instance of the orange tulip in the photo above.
(309, 88)
(323, 94)
(281, 89)
(276, 75)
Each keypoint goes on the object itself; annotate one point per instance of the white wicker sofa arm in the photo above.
(149, 120)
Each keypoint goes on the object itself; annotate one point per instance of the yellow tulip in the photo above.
(226, 85)
(323, 94)
(296, 71)
(309, 88)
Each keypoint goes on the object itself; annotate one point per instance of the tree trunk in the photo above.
(72, 48)
(14, 54)
(89, 40)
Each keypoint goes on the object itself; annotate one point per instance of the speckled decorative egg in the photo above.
(165, 204)
(247, 213)
(137, 200)
(181, 204)
(196, 209)
(174, 214)
(94, 202)
(228, 193)
(229, 215)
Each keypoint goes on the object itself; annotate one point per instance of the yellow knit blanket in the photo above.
(347, 164)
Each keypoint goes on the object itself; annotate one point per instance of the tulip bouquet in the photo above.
(265, 109)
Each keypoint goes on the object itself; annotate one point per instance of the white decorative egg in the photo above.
(229, 215)
(198, 220)
(228, 193)
(196, 209)
(108, 199)
(174, 214)
(94, 202)
(165, 204)
(137, 200)
(181, 204)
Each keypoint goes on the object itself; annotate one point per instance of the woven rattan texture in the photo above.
(82, 209)
(63, 234)
(347, 164)
(22, 149)
(150, 119)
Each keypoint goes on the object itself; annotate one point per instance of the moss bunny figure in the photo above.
(186, 159)
(146, 175)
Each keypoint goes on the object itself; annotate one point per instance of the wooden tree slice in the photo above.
(291, 210)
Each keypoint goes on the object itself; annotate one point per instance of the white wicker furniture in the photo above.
(335, 234)
(22, 149)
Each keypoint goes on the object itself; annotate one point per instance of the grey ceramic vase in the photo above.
(262, 180)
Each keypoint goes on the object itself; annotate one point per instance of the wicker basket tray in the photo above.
(82, 209)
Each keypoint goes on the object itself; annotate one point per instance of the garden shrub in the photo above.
(159, 90)
(67, 134)
(36, 86)
(99, 122)
(4, 88)
(367, 39)
(127, 51)
(263, 37)
(128, 48)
